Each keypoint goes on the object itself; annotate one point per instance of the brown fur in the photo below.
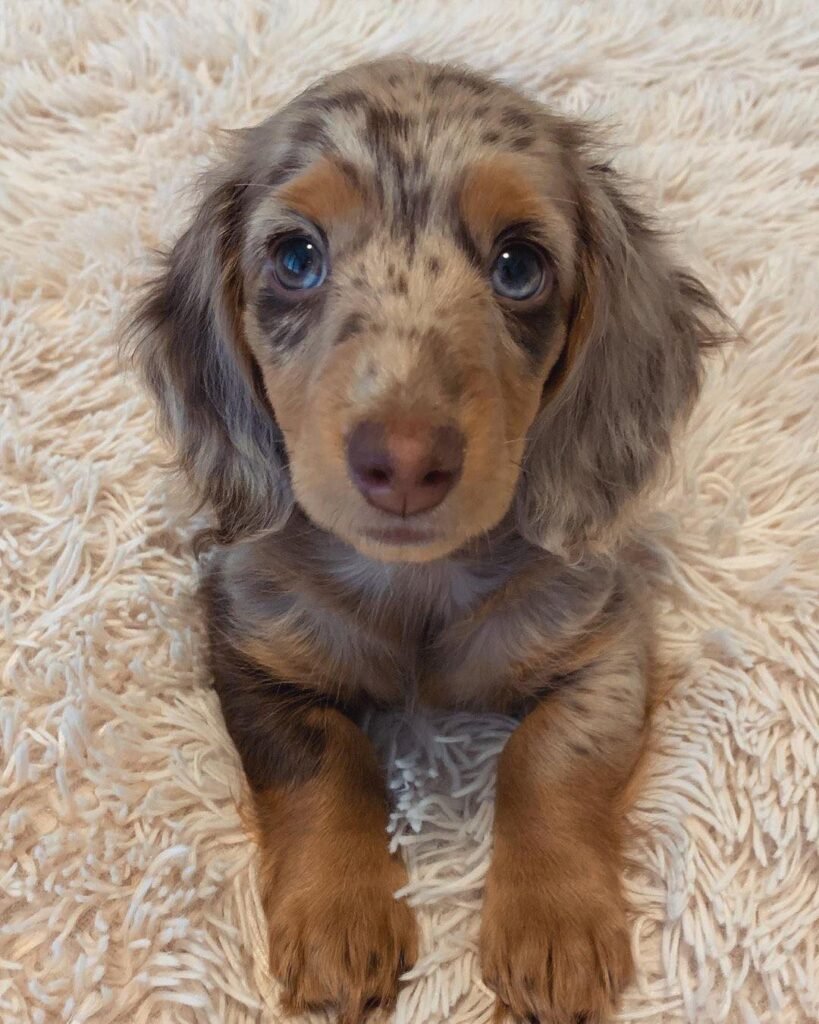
(554, 935)
(338, 938)
(323, 193)
(511, 594)
(504, 190)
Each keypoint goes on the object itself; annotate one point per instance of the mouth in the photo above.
(401, 535)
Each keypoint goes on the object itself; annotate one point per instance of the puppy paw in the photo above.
(340, 940)
(554, 955)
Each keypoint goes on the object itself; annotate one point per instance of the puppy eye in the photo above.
(298, 263)
(520, 271)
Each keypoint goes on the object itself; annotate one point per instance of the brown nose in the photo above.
(405, 469)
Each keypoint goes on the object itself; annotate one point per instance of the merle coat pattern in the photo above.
(509, 591)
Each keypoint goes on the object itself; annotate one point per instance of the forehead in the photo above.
(422, 145)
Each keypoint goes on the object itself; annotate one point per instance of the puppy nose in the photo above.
(405, 469)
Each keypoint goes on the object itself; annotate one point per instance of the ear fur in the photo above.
(185, 335)
(630, 372)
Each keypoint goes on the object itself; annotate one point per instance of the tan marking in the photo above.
(326, 656)
(497, 193)
(554, 937)
(336, 933)
(322, 193)
(506, 189)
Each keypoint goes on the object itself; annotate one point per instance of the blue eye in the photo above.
(299, 263)
(519, 271)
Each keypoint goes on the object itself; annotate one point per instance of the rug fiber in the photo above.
(127, 881)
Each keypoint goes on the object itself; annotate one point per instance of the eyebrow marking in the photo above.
(495, 194)
(322, 193)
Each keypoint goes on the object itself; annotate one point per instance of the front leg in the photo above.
(338, 937)
(554, 938)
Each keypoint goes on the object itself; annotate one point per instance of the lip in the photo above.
(400, 535)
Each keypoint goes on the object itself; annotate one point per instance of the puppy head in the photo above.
(410, 304)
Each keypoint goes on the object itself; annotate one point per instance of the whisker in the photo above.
(560, 199)
(517, 440)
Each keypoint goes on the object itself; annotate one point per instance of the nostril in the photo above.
(404, 468)
(436, 477)
(371, 466)
(376, 475)
(447, 456)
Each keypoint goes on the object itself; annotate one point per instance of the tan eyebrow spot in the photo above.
(323, 193)
(496, 194)
(503, 190)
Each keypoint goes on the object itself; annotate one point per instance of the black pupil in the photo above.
(517, 271)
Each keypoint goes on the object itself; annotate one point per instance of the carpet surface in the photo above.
(127, 881)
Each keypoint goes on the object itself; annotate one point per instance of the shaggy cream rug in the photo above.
(127, 881)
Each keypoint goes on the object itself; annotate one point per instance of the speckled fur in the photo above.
(518, 600)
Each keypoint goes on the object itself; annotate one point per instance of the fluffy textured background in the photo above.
(127, 887)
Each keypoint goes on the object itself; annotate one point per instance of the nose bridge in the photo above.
(398, 373)
(423, 332)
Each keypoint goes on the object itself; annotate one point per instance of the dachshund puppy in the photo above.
(420, 354)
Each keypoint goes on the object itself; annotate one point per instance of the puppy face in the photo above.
(406, 295)
(410, 303)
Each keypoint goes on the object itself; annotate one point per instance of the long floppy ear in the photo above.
(186, 336)
(630, 372)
